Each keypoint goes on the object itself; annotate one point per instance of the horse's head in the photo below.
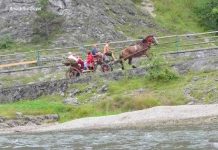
(150, 40)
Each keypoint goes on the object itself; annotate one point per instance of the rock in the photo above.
(195, 78)
(4, 125)
(13, 123)
(191, 103)
(84, 20)
(187, 91)
(74, 92)
(30, 124)
(19, 115)
(24, 120)
(32, 91)
(52, 117)
(96, 98)
(103, 89)
(62, 94)
(94, 86)
(71, 101)
(2, 119)
(140, 91)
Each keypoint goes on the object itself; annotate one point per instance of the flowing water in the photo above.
(203, 137)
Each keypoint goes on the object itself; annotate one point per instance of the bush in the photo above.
(137, 1)
(121, 103)
(5, 42)
(46, 23)
(207, 12)
(158, 70)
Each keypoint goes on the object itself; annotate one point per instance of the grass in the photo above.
(204, 89)
(177, 16)
(159, 90)
(122, 96)
(30, 78)
(43, 105)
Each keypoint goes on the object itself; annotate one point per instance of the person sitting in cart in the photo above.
(95, 50)
(80, 62)
(107, 51)
(90, 60)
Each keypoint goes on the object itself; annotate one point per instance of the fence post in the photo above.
(177, 43)
(37, 57)
(83, 52)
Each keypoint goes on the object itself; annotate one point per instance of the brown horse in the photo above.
(137, 50)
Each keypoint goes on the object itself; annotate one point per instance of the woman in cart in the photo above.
(90, 61)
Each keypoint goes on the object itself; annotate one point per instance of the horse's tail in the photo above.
(121, 55)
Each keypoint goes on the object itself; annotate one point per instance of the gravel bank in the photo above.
(153, 117)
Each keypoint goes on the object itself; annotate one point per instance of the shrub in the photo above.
(121, 103)
(5, 42)
(137, 1)
(158, 70)
(207, 12)
(46, 23)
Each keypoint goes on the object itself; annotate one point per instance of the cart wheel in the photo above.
(106, 68)
(72, 73)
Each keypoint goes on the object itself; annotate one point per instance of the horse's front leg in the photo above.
(148, 54)
(130, 62)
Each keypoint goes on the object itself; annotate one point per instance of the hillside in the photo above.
(77, 22)
(84, 21)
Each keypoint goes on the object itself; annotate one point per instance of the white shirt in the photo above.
(72, 58)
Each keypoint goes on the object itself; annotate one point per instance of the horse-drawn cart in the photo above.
(76, 70)
(137, 50)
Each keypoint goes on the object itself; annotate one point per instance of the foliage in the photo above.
(158, 70)
(5, 42)
(46, 23)
(207, 12)
(177, 15)
(122, 96)
(43, 105)
(137, 1)
(129, 103)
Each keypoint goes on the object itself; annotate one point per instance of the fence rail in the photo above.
(166, 43)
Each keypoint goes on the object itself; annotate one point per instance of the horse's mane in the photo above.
(142, 42)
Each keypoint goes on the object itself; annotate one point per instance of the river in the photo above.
(182, 137)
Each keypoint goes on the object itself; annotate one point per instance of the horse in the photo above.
(137, 50)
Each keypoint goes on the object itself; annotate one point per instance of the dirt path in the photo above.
(153, 117)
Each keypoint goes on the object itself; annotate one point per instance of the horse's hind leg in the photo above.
(122, 65)
(130, 62)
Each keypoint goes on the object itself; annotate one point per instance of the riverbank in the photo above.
(154, 117)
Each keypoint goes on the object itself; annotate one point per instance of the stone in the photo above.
(84, 20)
(196, 78)
(19, 115)
(2, 119)
(4, 125)
(103, 89)
(191, 103)
(52, 117)
(62, 94)
(71, 101)
(74, 92)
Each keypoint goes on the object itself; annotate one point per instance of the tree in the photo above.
(208, 14)
(46, 22)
